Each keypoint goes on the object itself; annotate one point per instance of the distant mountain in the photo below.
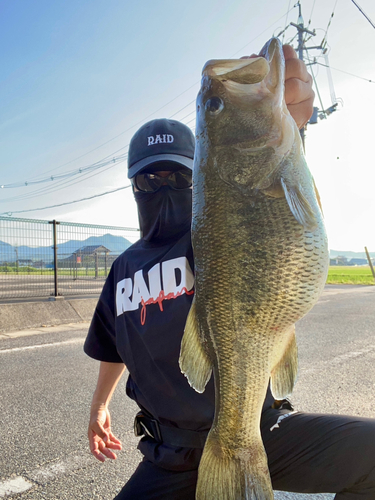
(9, 253)
(349, 255)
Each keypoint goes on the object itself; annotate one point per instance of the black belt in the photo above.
(173, 436)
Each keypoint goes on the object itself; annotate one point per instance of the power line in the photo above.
(366, 16)
(260, 34)
(67, 203)
(81, 170)
(286, 21)
(105, 161)
(341, 71)
(328, 26)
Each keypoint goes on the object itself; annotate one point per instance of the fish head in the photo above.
(242, 120)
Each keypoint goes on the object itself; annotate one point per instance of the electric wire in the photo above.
(260, 34)
(124, 131)
(190, 121)
(362, 12)
(316, 86)
(78, 171)
(308, 24)
(328, 26)
(346, 72)
(67, 203)
(59, 183)
(286, 22)
(59, 187)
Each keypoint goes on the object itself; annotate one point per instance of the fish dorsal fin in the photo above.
(299, 205)
(194, 361)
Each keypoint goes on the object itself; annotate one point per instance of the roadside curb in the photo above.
(71, 327)
(32, 315)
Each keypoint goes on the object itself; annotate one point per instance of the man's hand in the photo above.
(101, 439)
(299, 95)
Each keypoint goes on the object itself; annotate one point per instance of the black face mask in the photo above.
(165, 214)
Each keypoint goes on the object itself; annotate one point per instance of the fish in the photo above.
(261, 262)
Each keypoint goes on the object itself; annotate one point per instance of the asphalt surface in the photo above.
(47, 383)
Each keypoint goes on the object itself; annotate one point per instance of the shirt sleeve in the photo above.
(100, 342)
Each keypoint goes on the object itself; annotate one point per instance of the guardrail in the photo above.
(41, 258)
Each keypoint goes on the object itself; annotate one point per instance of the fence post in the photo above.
(370, 263)
(54, 223)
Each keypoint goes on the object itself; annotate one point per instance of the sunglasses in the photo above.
(148, 182)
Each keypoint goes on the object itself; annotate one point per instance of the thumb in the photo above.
(98, 429)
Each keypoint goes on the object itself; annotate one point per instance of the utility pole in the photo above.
(300, 27)
(301, 30)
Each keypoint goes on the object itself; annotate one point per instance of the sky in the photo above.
(77, 79)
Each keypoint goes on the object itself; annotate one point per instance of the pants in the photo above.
(307, 453)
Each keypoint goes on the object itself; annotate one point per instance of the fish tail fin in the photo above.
(194, 361)
(224, 476)
(284, 374)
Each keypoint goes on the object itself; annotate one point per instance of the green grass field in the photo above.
(350, 275)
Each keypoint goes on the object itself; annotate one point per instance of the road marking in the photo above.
(39, 346)
(342, 358)
(13, 486)
(52, 471)
(44, 475)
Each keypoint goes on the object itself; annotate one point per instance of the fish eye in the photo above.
(214, 105)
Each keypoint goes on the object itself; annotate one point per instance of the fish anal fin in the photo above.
(299, 205)
(284, 374)
(194, 361)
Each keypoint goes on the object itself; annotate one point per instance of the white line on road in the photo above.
(39, 346)
(13, 486)
(44, 475)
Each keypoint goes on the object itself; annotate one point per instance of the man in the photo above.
(139, 322)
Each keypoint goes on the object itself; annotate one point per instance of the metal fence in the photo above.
(41, 258)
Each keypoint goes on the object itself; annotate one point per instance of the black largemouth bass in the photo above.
(261, 261)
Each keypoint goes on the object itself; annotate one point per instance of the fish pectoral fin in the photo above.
(299, 205)
(194, 361)
(284, 374)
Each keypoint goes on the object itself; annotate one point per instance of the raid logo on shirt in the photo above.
(167, 280)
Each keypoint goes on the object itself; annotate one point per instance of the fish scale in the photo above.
(261, 260)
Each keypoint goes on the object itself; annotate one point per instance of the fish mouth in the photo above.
(267, 69)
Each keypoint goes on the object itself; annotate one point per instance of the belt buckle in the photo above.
(141, 428)
(138, 428)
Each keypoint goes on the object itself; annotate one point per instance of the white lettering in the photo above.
(123, 292)
(140, 290)
(154, 281)
(175, 274)
(281, 418)
(159, 139)
(169, 268)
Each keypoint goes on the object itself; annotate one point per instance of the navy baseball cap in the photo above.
(161, 140)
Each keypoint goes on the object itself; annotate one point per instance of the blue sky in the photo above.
(77, 75)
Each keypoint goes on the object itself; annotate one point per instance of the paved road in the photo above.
(47, 382)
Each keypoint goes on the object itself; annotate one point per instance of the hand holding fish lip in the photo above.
(299, 94)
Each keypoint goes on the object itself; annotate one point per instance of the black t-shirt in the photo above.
(139, 320)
